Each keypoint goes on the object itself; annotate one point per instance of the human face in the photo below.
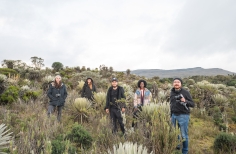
(141, 85)
(177, 84)
(89, 81)
(58, 79)
(114, 84)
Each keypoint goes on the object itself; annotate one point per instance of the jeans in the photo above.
(51, 109)
(182, 121)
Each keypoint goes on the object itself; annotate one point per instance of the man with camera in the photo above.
(180, 101)
(114, 94)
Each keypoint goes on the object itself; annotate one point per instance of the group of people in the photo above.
(180, 102)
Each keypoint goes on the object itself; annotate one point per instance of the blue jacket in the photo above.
(52, 91)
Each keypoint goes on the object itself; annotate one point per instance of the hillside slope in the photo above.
(180, 72)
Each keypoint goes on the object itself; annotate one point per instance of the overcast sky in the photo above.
(134, 34)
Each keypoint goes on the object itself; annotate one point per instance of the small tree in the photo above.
(8, 63)
(83, 68)
(57, 66)
(128, 72)
(37, 62)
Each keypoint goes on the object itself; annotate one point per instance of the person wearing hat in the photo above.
(57, 94)
(180, 103)
(142, 96)
(88, 89)
(114, 107)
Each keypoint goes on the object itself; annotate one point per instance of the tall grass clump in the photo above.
(161, 133)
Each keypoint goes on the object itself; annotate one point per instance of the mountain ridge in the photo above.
(187, 72)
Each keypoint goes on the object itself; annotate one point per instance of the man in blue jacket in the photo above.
(180, 101)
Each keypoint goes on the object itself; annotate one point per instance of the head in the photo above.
(57, 81)
(177, 83)
(89, 81)
(114, 82)
(142, 84)
(57, 78)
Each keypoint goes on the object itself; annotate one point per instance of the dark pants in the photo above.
(136, 112)
(116, 115)
(51, 109)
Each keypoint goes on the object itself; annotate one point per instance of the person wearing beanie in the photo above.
(57, 94)
(114, 107)
(142, 96)
(180, 103)
(88, 89)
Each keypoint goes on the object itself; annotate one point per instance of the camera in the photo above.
(178, 98)
(58, 95)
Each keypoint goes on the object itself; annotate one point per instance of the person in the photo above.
(57, 94)
(142, 96)
(114, 107)
(88, 89)
(180, 101)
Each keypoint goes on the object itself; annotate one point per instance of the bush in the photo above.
(7, 71)
(26, 93)
(60, 147)
(225, 143)
(234, 119)
(80, 136)
(10, 94)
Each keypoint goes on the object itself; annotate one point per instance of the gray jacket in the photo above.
(57, 96)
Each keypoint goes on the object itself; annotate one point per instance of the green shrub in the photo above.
(7, 71)
(10, 95)
(60, 147)
(225, 143)
(234, 119)
(217, 116)
(26, 93)
(80, 136)
(231, 83)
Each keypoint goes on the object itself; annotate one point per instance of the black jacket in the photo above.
(120, 94)
(52, 91)
(87, 92)
(175, 105)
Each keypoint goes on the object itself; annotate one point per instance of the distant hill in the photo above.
(180, 72)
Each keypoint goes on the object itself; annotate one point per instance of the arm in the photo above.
(65, 93)
(135, 100)
(150, 97)
(189, 100)
(83, 90)
(49, 93)
(95, 89)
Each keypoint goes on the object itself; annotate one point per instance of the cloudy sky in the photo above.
(134, 34)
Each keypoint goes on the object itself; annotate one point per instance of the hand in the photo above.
(107, 110)
(135, 108)
(123, 110)
(182, 99)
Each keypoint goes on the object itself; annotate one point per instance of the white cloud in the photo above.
(121, 34)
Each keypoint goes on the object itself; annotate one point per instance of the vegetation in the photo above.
(86, 128)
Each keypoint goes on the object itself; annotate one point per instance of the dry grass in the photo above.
(30, 124)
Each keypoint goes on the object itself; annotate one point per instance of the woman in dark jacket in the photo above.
(88, 89)
(57, 94)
